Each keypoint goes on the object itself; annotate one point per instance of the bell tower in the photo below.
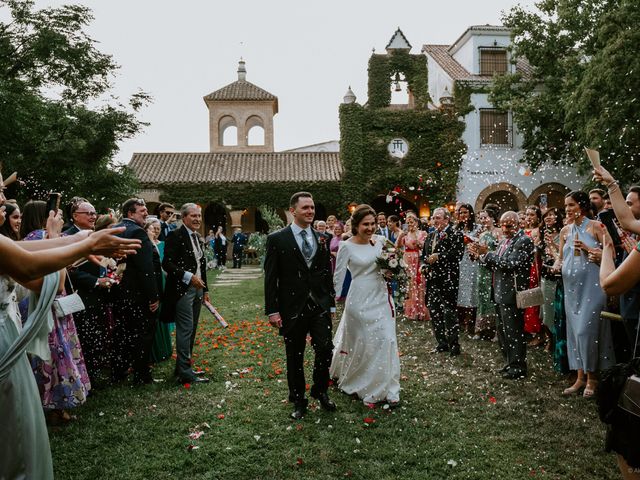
(241, 117)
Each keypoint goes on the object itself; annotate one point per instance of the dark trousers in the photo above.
(511, 337)
(317, 323)
(91, 325)
(135, 328)
(442, 308)
(187, 316)
(237, 257)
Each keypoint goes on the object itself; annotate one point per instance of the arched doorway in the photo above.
(505, 195)
(396, 206)
(215, 215)
(504, 199)
(555, 193)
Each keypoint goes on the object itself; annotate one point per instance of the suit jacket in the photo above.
(443, 275)
(380, 231)
(239, 240)
(84, 278)
(178, 259)
(139, 279)
(289, 283)
(515, 262)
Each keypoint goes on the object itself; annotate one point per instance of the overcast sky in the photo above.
(305, 53)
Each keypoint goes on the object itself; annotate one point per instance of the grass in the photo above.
(458, 418)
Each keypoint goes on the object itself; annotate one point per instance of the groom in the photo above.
(299, 300)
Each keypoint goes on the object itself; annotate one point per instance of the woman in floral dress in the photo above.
(62, 380)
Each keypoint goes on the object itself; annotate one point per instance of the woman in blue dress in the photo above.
(589, 344)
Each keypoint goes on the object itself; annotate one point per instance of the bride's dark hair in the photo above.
(359, 214)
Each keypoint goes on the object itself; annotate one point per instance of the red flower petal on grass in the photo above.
(186, 385)
(299, 461)
(369, 420)
(492, 400)
(221, 416)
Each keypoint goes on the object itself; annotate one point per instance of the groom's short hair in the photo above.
(297, 196)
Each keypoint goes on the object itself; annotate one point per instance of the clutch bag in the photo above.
(68, 305)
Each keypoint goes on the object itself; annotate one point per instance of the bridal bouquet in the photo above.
(393, 268)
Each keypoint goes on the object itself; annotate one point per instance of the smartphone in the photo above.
(53, 203)
(544, 201)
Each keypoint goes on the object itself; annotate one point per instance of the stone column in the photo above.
(236, 218)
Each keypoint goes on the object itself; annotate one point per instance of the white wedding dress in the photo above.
(365, 359)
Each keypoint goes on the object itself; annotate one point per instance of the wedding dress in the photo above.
(365, 359)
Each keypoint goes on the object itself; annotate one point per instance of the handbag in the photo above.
(528, 298)
(68, 304)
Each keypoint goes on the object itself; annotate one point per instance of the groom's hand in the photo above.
(275, 320)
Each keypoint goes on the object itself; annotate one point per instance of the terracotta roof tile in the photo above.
(440, 53)
(202, 168)
(241, 90)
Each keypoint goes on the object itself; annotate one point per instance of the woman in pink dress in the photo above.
(411, 243)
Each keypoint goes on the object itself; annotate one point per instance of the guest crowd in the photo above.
(466, 272)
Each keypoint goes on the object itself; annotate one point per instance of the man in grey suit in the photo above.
(511, 263)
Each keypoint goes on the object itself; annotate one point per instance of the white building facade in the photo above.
(491, 171)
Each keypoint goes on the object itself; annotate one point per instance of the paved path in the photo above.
(233, 276)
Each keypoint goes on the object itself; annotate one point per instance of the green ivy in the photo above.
(430, 169)
(243, 195)
(383, 67)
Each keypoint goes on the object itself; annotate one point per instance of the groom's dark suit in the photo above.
(303, 295)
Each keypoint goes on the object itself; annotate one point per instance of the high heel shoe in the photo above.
(575, 388)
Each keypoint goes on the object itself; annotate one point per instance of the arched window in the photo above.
(399, 90)
(227, 131)
(255, 131)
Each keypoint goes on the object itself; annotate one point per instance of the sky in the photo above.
(305, 53)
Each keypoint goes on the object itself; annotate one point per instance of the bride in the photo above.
(365, 359)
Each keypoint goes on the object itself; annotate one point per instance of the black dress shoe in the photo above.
(513, 374)
(193, 380)
(299, 412)
(142, 379)
(325, 401)
(440, 349)
(455, 351)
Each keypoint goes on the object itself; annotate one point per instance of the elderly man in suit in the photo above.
(186, 288)
(93, 288)
(510, 263)
(136, 300)
(299, 300)
(441, 256)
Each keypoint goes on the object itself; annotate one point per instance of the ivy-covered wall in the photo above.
(242, 195)
(383, 67)
(430, 168)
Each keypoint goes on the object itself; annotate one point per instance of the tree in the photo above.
(52, 132)
(583, 87)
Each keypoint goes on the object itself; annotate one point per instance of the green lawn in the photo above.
(457, 420)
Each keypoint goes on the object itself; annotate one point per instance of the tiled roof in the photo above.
(203, 168)
(241, 90)
(440, 53)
